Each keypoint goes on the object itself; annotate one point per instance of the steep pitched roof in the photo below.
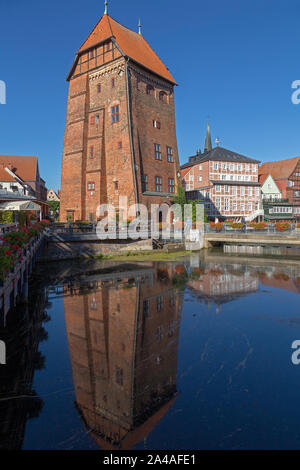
(281, 169)
(221, 155)
(5, 176)
(132, 44)
(24, 167)
(281, 185)
(262, 178)
(184, 172)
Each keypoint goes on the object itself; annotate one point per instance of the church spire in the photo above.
(105, 5)
(208, 146)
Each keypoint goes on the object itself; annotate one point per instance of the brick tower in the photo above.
(120, 135)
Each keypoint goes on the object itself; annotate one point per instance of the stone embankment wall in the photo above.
(56, 248)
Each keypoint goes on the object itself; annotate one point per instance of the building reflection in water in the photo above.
(123, 331)
(220, 278)
(18, 401)
(123, 334)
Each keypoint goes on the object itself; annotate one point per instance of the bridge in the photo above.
(72, 235)
(260, 238)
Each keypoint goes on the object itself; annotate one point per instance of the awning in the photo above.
(19, 206)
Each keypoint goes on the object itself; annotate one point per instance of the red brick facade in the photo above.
(229, 188)
(117, 112)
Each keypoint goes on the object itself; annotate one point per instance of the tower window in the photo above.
(158, 184)
(170, 154)
(112, 82)
(91, 152)
(98, 88)
(157, 151)
(163, 96)
(159, 303)
(97, 118)
(150, 90)
(115, 114)
(171, 185)
(144, 183)
(91, 185)
(156, 124)
(116, 183)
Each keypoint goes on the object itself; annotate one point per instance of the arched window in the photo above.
(150, 90)
(163, 96)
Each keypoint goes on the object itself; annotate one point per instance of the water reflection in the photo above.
(18, 400)
(123, 338)
(124, 324)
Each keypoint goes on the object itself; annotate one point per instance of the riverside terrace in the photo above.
(19, 250)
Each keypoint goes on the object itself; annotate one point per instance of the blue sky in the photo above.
(234, 60)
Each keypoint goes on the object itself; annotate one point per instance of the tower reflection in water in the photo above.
(123, 334)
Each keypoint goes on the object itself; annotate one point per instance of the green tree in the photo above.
(194, 208)
(22, 218)
(54, 207)
(6, 217)
(180, 197)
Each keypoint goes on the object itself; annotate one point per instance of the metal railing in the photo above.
(5, 228)
(4, 194)
(90, 228)
(270, 229)
(144, 232)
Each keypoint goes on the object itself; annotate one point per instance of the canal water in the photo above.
(192, 354)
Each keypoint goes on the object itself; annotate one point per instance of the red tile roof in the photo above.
(282, 185)
(262, 178)
(132, 44)
(5, 176)
(281, 169)
(24, 167)
(184, 172)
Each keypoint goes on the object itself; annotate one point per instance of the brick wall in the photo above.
(99, 157)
